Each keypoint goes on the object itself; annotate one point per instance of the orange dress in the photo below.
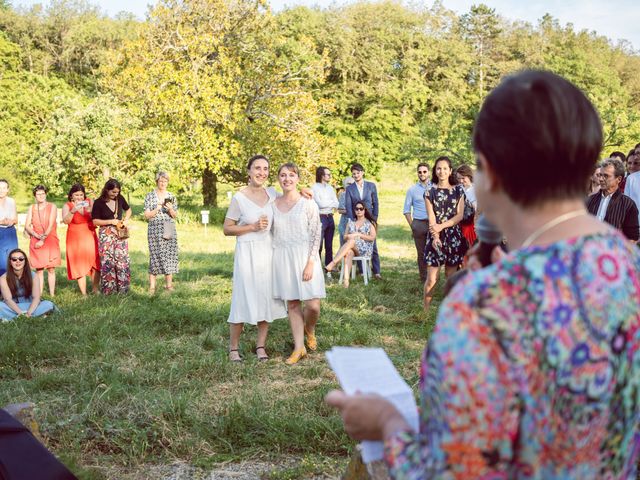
(48, 255)
(82, 244)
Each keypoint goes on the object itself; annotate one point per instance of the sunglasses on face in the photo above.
(423, 171)
(359, 209)
(17, 259)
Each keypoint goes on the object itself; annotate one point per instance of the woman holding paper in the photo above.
(530, 372)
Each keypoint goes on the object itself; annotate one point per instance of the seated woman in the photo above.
(21, 290)
(358, 240)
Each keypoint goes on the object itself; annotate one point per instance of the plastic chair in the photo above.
(366, 269)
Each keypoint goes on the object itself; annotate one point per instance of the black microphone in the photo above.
(489, 237)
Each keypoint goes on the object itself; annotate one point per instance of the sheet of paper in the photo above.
(369, 370)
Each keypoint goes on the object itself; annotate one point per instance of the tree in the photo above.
(215, 76)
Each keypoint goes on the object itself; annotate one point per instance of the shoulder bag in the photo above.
(121, 229)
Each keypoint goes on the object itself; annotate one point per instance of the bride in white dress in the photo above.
(249, 219)
(297, 271)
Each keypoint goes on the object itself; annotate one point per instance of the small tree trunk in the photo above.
(209, 188)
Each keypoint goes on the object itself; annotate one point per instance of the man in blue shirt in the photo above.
(418, 220)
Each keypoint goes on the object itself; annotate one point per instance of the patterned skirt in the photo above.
(115, 270)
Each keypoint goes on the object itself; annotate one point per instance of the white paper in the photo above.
(369, 370)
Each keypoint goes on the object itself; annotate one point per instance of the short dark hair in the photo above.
(2, 180)
(421, 165)
(76, 187)
(320, 173)
(452, 178)
(616, 163)
(254, 158)
(37, 188)
(538, 120)
(110, 185)
(619, 155)
(465, 171)
(356, 166)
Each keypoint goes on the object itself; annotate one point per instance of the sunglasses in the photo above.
(423, 171)
(359, 209)
(17, 259)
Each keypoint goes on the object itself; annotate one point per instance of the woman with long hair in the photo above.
(21, 290)
(297, 272)
(464, 175)
(249, 219)
(82, 242)
(44, 247)
(8, 220)
(111, 213)
(533, 367)
(358, 240)
(445, 208)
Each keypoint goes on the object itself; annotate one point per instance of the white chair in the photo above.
(366, 268)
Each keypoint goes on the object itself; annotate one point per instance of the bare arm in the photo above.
(35, 296)
(52, 220)
(408, 217)
(104, 223)
(230, 228)
(67, 213)
(27, 224)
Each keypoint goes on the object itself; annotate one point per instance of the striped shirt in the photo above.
(622, 213)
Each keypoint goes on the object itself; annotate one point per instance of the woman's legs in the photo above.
(235, 329)
(95, 280)
(429, 285)
(82, 285)
(51, 278)
(261, 341)
(311, 315)
(450, 270)
(296, 322)
(168, 282)
(40, 275)
(347, 267)
(152, 283)
(348, 245)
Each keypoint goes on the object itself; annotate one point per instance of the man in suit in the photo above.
(368, 194)
(610, 204)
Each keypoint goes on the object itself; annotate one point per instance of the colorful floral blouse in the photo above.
(533, 370)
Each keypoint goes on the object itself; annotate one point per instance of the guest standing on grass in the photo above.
(325, 196)
(44, 246)
(8, 220)
(367, 193)
(249, 219)
(445, 209)
(161, 210)
(342, 210)
(533, 368)
(464, 176)
(415, 212)
(359, 239)
(111, 213)
(20, 289)
(297, 271)
(82, 242)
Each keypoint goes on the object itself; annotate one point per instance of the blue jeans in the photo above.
(326, 237)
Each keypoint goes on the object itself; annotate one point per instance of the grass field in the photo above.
(124, 382)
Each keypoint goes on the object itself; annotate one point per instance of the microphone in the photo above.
(489, 237)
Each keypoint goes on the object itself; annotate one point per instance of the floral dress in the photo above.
(454, 246)
(365, 247)
(533, 370)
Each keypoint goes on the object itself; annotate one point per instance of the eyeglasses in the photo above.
(359, 209)
(327, 174)
(17, 259)
(423, 171)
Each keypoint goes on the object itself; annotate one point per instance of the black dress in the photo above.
(454, 246)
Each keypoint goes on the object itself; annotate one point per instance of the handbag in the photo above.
(122, 231)
(168, 229)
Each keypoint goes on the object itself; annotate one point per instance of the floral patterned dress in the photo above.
(533, 370)
(365, 248)
(454, 246)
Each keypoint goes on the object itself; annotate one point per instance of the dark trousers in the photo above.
(375, 259)
(420, 231)
(326, 237)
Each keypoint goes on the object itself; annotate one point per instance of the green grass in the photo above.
(124, 382)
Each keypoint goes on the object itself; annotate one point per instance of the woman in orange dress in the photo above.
(82, 241)
(44, 246)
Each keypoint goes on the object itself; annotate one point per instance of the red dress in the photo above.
(47, 256)
(82, 244)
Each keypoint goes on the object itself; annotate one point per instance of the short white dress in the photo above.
(296, 238)
(252, 300)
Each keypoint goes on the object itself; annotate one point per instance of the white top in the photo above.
(300, 225)
(632, 189)
(7, 210)
(325, 196)
(604, 204)
(360, 189)
(470, 193)
(247, 216)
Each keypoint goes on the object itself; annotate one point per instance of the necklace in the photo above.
(550, 224)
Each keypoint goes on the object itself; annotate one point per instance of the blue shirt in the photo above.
(415, 199)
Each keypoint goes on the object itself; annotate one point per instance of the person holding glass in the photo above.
(161, 210)
(44, 247)
(8, 220)
(20, 289)
(82, 242)
(111, 213)
(533, 366)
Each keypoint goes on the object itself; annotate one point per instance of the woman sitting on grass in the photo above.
(21, 290)
(358, 240)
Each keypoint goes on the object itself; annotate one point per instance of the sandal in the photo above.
(262, 358)
(235, 360)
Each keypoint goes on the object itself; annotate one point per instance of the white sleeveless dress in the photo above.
(252, 300)
(296, 237)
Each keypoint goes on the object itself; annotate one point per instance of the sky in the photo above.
(616, 19)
